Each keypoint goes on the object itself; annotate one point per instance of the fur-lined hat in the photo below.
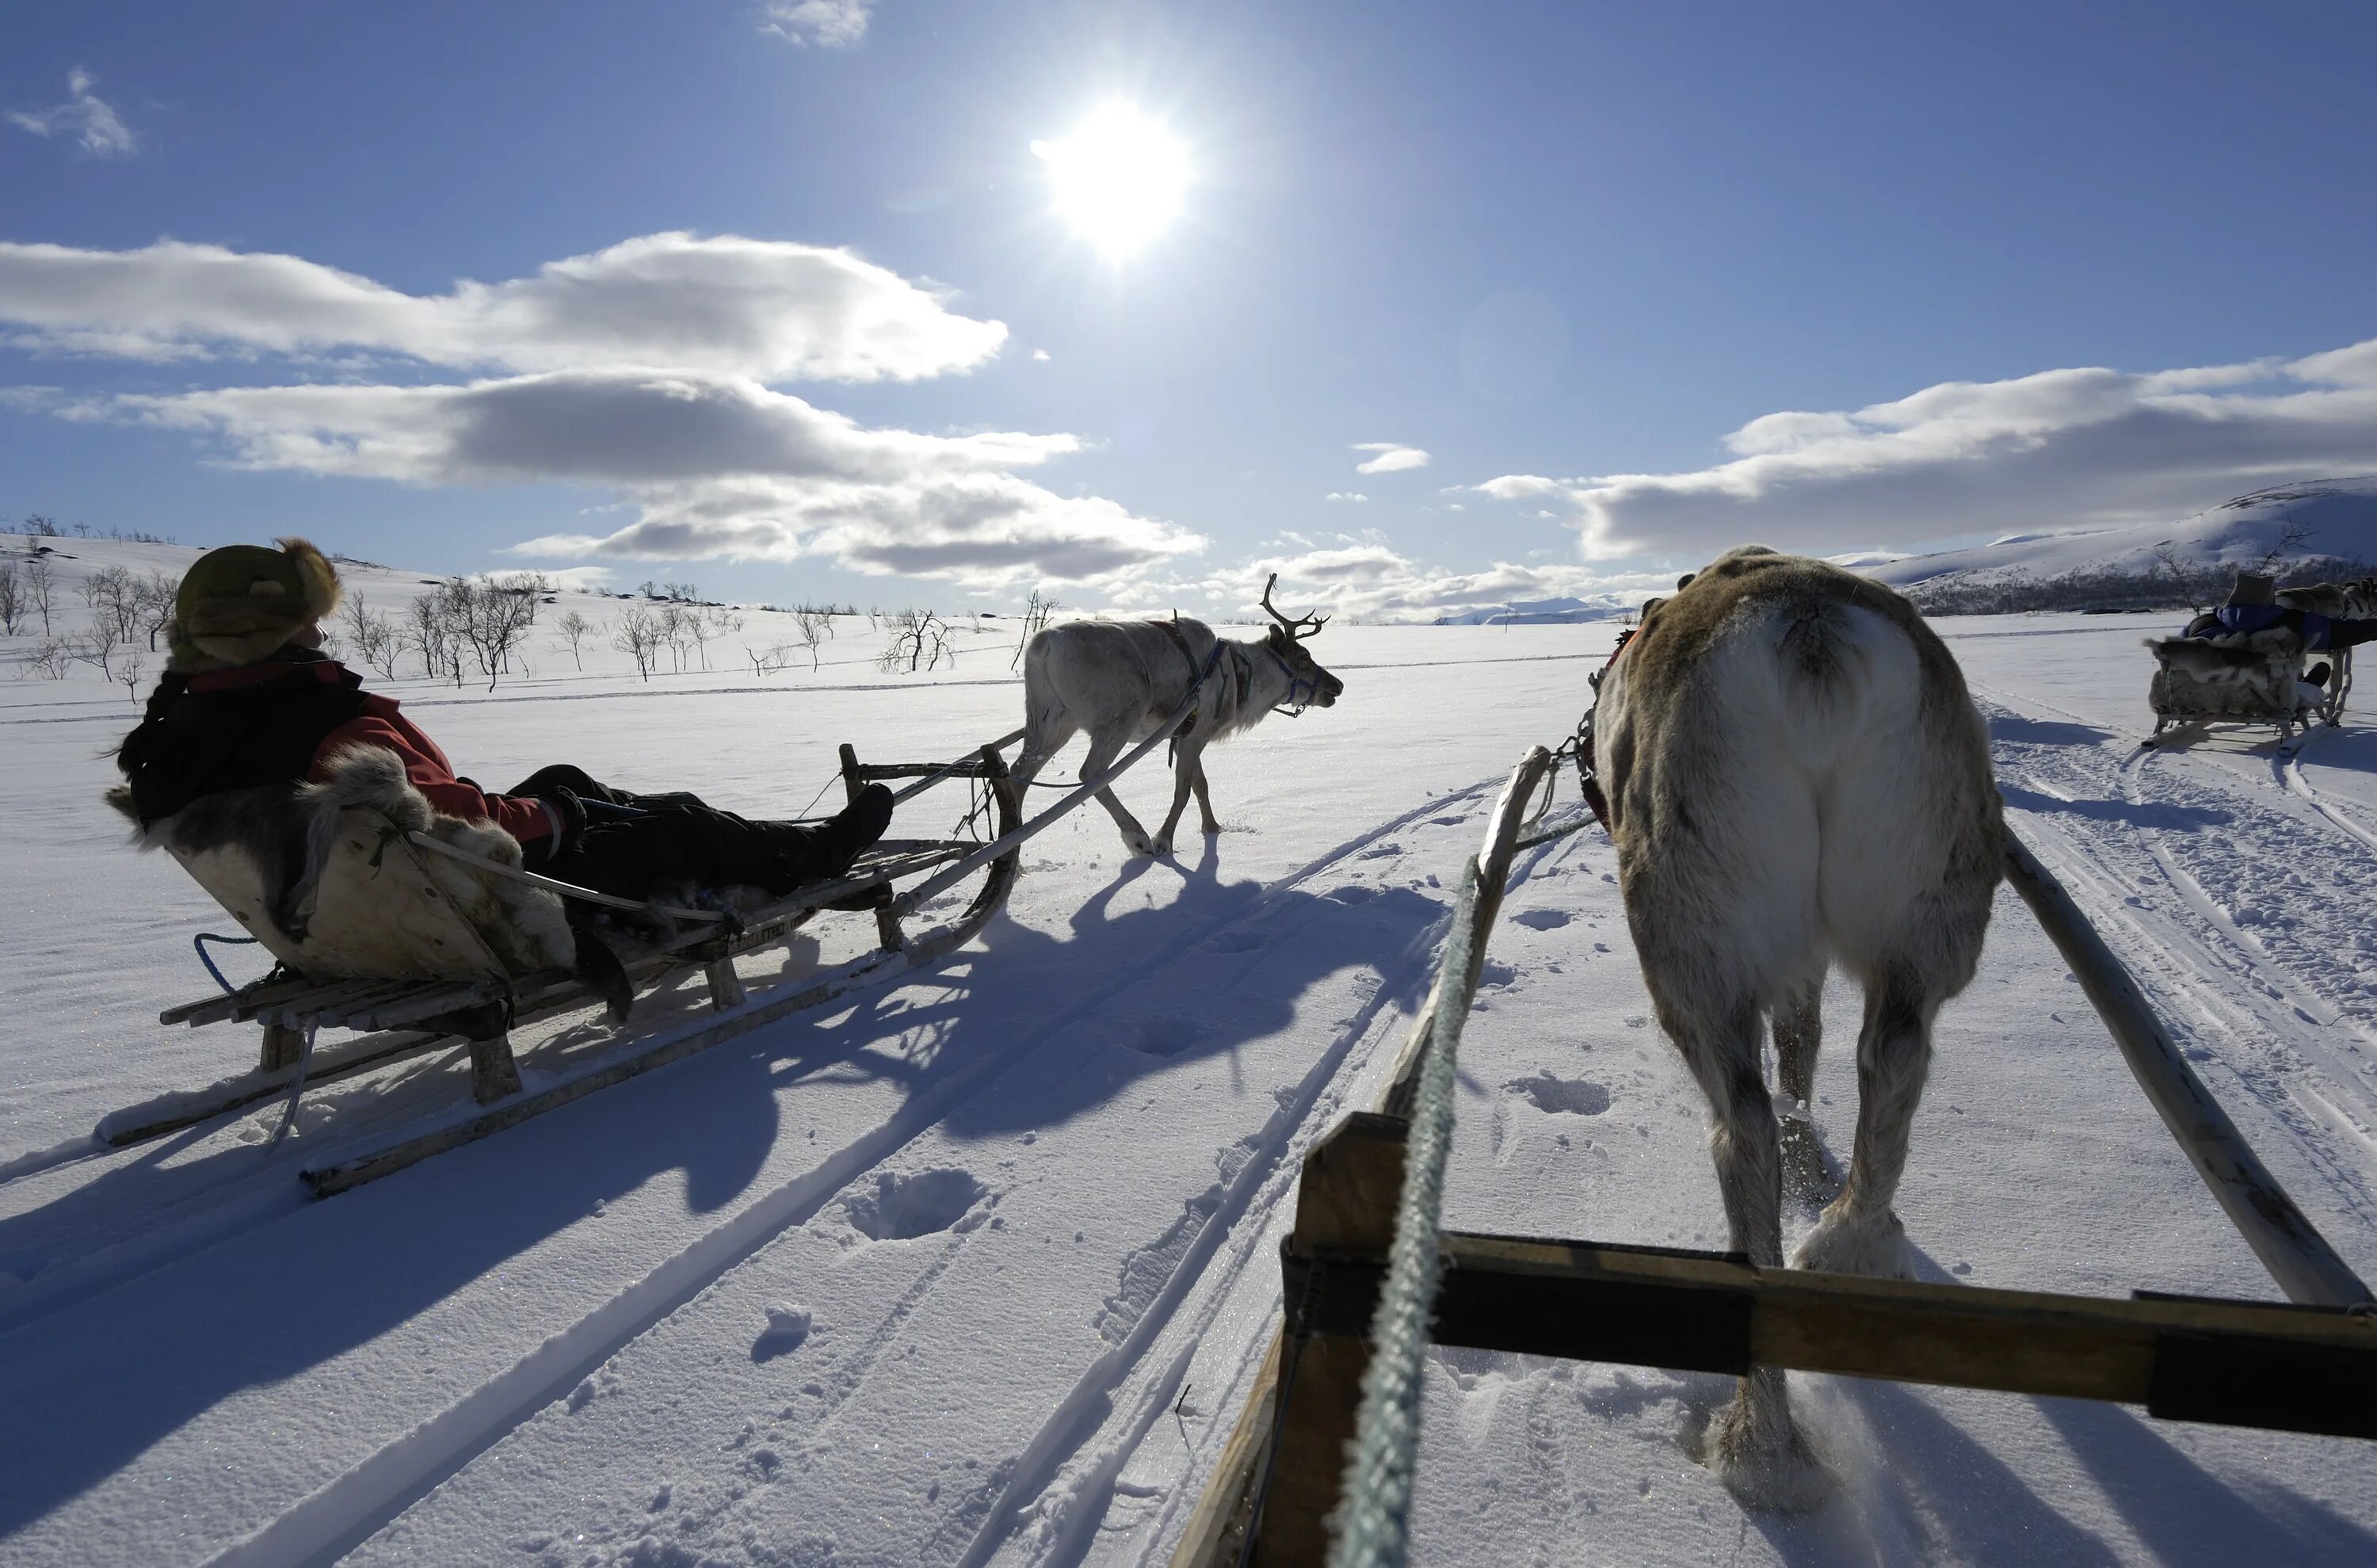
(241, 602)
(2252, 589)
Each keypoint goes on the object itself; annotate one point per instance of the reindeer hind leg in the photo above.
(1753, 1445)
(1858, 1232)
(1104, 749)
(1799, 1028)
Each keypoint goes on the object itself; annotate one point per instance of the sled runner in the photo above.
(2249, 680)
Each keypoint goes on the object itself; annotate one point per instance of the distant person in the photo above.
(248, 699)
(2253, 607)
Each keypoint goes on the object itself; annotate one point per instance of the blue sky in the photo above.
(1640, 282)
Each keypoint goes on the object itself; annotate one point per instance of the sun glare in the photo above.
(1119, 178)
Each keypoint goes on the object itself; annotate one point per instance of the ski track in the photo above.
(2291, 993)
(341, 1514)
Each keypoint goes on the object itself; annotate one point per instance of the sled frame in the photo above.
(481, 1011)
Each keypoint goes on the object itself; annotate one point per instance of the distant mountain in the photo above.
(2337, 519)
(1542, 612)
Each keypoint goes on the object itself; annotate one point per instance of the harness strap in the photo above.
(1588, 782)
(1197, 677)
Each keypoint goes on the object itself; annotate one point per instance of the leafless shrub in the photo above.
(377, 640)
(99, 649)
(573, 628)
(153, 604)
(638, 634)
(12, 599)
(1036, 611)
(55, 657)
(920, 640)
(128, 674)
(37, 586)
(813, 627)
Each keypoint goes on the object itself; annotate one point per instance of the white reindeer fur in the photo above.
(1797, 778)
(1121, 681)
(291, 837)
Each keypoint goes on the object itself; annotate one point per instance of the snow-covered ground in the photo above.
(975, 1270)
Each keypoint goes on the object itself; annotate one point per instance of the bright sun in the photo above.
(1119, 177)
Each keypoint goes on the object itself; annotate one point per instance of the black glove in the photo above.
(568, 814)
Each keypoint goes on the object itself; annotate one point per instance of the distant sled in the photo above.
(2256, 680)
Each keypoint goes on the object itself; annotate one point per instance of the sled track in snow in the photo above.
(349, 1509)
(2279, 1028)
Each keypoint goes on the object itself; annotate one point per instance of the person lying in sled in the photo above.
(2253, 606)
(248, 699)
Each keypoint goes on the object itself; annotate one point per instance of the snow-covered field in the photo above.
(976, 1270)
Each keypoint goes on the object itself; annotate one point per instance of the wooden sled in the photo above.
(2201, 683)
(414, 984)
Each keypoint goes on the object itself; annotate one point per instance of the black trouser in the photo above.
(677, 839)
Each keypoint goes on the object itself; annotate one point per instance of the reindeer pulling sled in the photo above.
(421, 931)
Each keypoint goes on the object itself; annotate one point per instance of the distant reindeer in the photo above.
(1121, 681)
(1797, 778)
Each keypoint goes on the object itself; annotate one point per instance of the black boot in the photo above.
(860, 824)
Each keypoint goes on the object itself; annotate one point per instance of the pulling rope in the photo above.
(1374, 1525)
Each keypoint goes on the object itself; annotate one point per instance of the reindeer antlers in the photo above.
(1315, 621)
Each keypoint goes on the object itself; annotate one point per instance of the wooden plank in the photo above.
(2289, 1246)
(2288, 1368)
(1217, 1527)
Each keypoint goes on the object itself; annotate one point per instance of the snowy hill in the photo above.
(2337, 519)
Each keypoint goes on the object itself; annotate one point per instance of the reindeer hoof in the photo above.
(1764, 1459)
(1870, 1245)
(1139, 843)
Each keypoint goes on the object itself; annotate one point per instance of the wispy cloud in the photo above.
(2059, 448)
(94, 124)
(1392, 457)
(765, 308)
(1354, 496)
(821, 24)
(1364, 575)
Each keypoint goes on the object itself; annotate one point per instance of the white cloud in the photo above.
(1354, 496)
(715, 468)
(2059, 448)
(772, 310)
(1039, 354)
(826, 24)
(1392, 457)
(96, 127)
(1518, 486)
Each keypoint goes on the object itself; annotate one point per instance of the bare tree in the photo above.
(377, 640)
(2192, 586)
(154, 604)
(1036, 611)
(99, 649)
(2292, 536)
(637, 635)
(39, 527)
(12, 599)
(573, 628)
(55, 657)
(128, 674)
(37, 585)
(814, 626)
(920, 640)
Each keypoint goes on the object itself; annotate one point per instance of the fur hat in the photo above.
(241, 602)
(2253, 590)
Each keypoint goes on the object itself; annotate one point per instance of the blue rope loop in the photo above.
(200, 941)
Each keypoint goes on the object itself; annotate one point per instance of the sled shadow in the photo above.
(227, 1283)
(2181, 818)
(2045, 732)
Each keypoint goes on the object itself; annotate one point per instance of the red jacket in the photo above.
(381, 725)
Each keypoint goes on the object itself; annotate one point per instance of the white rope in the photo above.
(567, 890)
